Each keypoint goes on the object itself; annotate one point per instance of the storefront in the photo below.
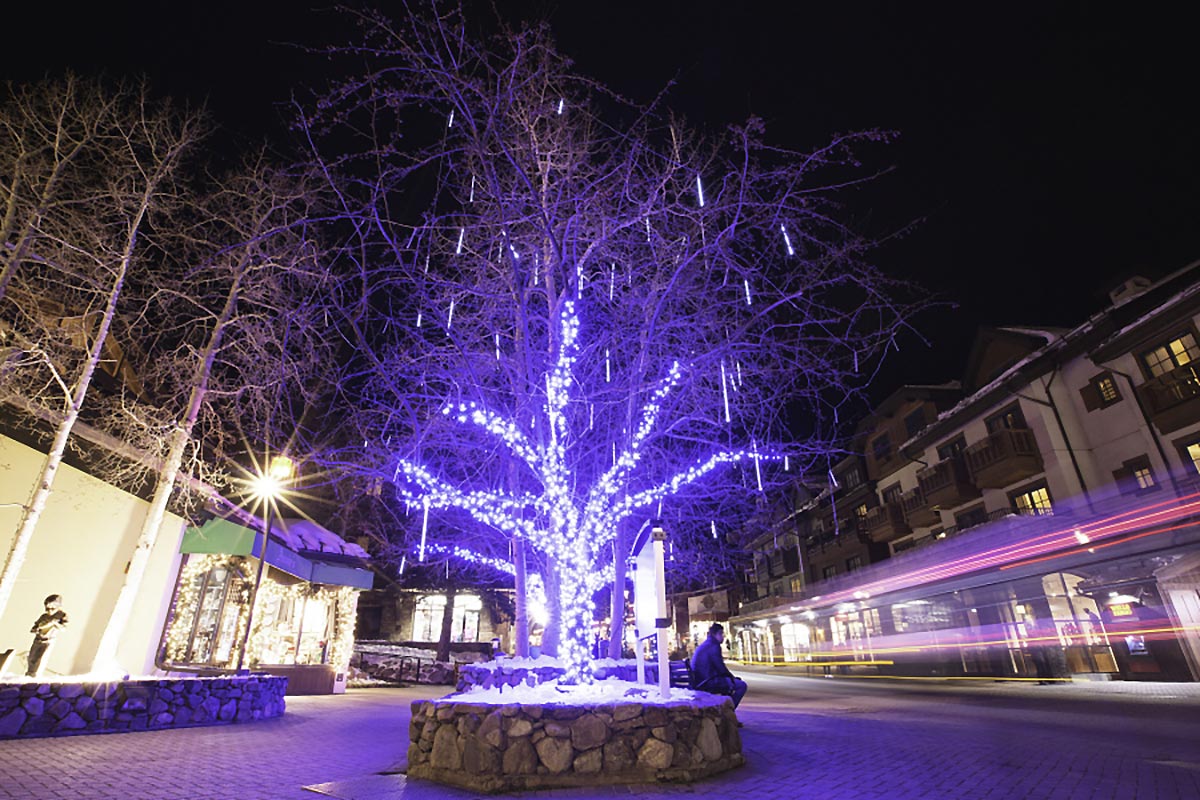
(304, 615)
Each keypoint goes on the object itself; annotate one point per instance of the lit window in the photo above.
(1192, 451)
(860, 511)
(1144, 477)
(1175, 353)
(1108, 390)
(1033, 502)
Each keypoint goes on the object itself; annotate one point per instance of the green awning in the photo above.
(219, 536)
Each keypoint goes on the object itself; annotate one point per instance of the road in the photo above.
(804, 738)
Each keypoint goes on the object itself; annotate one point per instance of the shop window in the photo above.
(952, 448)
(464, 626)
(1033, 501)
(1166, 357)
(1010, 418)
(1101, 392)
(1135, 476)
(209, 609)
(853, 563)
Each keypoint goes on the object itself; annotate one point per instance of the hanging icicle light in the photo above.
(725, 393)
(787, 240)
(714, 528)
(746, 283)
(424, 528)
(612, 281)
(607, 366)
(561, 104)
(403, 561)
(757, 468)
(450, 316)
(419, 319)
(787, 464)
(450, 124)
(699, 191)
(497, 337)
(462, 232)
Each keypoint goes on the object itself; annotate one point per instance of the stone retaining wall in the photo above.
(516, 746)
(30, 709)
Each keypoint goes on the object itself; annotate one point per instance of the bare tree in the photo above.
(49, 132)
(572, 311)
(229, 335)
(66, 285)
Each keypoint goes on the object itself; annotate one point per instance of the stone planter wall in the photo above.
(29, 709)
(512, 747)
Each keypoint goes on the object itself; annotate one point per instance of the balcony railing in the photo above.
(1173, 399)
(1003, 458)
(886, 522)
(917, 510)
(947, 483)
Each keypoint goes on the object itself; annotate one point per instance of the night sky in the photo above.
(1045, 150)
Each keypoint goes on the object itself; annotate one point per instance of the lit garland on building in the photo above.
(573, 532)
(187, 605)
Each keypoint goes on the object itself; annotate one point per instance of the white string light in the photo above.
(787, 240)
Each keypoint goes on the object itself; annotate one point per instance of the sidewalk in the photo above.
(804, 738)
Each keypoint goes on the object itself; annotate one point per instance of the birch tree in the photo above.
(575, 313)
(65, 288)
(230, 336)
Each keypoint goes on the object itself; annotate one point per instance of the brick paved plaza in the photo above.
(804, 738)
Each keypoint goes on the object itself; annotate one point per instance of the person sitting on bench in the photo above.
(709, 673)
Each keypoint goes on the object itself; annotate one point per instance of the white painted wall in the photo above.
(80, 550)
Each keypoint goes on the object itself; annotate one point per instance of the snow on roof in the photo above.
(1049, 334)
(1156, 311)
(303, 534)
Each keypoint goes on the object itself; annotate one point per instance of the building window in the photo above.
(952, 448)
(1101, 392)
(1034, 501)
(1135, 476)
(851, 478)
(797, 584)
(914, 422)
(860, 512)
(1189, 450)
(881, 448)
(976, 515)
(1175, 353)
(829, 571)
(1010, 418)
(853, 563)
(892, 493)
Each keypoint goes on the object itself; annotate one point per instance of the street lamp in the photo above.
(266, 487)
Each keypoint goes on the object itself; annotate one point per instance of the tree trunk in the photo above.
(37, 502)
(443, 649)
(550, 634)
(106, 654)
(521, 611)
(616, 634)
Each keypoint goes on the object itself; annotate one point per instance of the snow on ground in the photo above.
(551, 694)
